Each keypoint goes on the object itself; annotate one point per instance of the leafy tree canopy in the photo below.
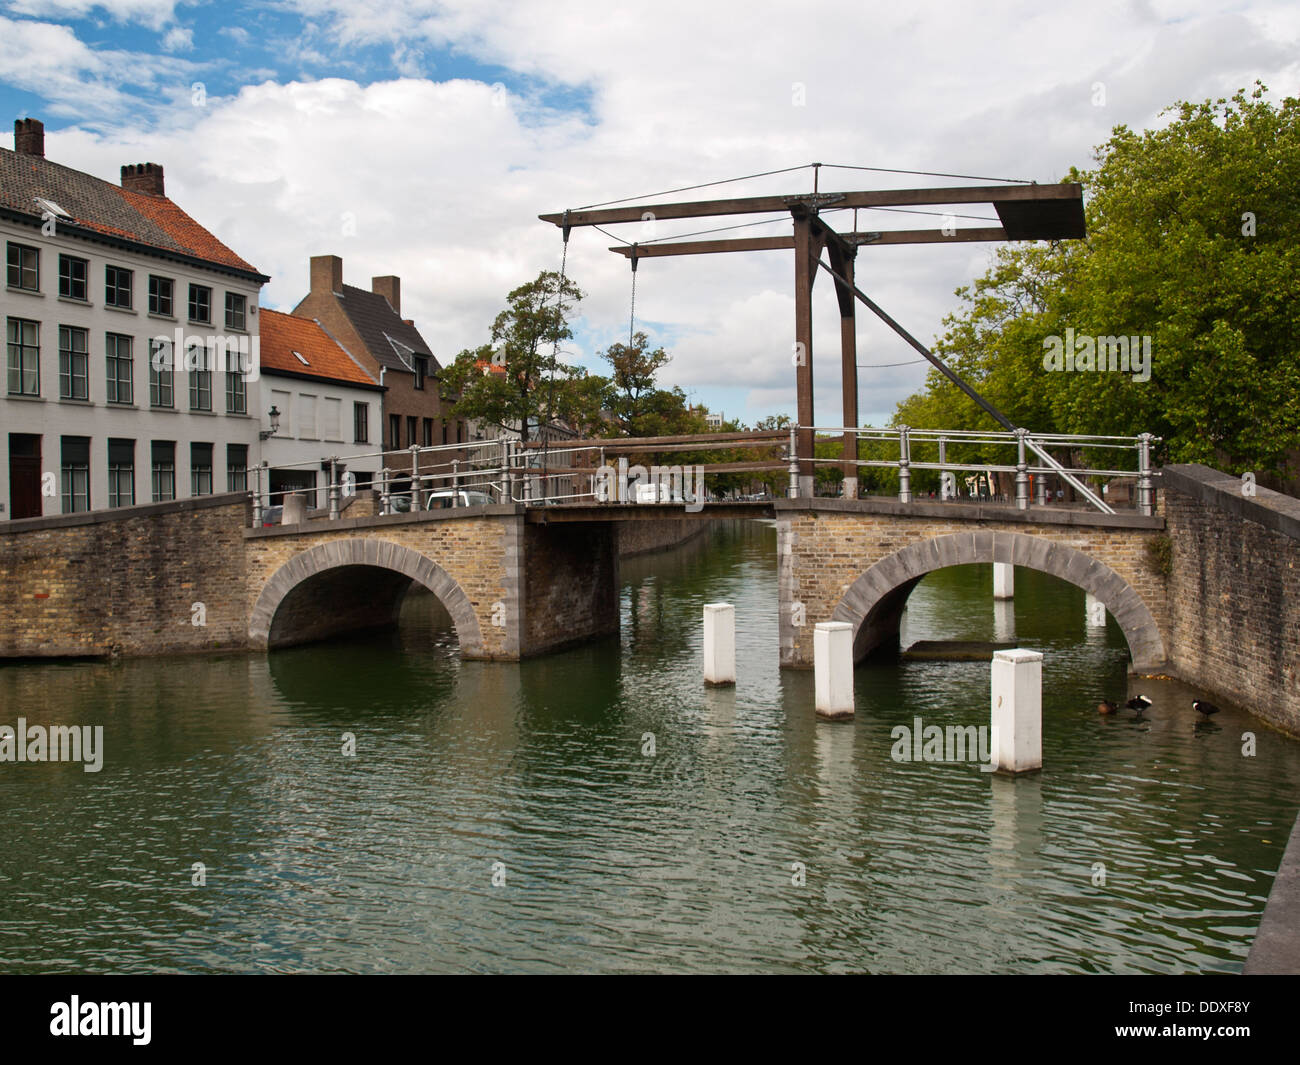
(518, 380)
(1191, 242)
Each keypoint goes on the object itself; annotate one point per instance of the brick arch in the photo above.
(883, 589)
(374, 554)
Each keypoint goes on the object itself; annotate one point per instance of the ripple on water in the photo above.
(753, 839)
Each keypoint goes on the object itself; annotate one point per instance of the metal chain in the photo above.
(631, 318)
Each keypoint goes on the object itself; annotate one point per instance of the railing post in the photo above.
(943, 474)
(1145, 487)
(793, 490)
(1022, 471)
(332, 492)
(383, 491)
(415, 478)
(455, 481)
(904, 465)
(257, 495)
(507, 470)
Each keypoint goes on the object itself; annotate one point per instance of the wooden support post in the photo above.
(1094, 611)
(807, 251)
(1004, 580)
(842, 263)
(833, 669)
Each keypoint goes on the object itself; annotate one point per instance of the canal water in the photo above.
(601, 810)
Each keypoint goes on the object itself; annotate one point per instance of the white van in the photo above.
(461, 498)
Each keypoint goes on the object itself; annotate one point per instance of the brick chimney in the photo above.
(29, 137)
(390, 288)
(144, 178)
(326, 274)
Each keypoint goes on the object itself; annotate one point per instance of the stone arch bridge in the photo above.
(858, 560)
(192, 576)
(523, 581)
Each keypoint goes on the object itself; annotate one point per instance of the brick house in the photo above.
(369, 324)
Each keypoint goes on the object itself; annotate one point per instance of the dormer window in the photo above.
(421, 370)
(51, 209)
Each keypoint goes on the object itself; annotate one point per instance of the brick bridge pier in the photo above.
(513, 587)
(858, 561)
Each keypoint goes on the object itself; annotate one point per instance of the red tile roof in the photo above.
(102, 207)
(283, 334)
(184, 232)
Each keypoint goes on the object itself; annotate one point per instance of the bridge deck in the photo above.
(953, 510)
(588, 513)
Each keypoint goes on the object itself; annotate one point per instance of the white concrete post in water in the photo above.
(1017, 710)
(833, 669)
(719, 644)
(1004, 620)
(1095, 610)
(1004, 580)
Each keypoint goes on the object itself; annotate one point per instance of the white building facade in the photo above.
(327, 406)
(96, 412)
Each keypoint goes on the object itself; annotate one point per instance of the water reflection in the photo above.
(614, 854)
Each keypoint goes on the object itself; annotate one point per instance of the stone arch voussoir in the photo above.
(865, 596)
(380, 554)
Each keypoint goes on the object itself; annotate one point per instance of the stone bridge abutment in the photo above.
(513, 589)
(858, 560)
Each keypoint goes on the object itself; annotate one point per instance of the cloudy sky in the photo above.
(423, 137)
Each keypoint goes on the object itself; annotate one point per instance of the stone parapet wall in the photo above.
(154, 579)
(1235, 591)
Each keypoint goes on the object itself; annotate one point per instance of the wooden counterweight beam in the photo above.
(1056, 210)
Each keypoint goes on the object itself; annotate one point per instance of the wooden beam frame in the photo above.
(1026, 212)
(867, 239)
(993, 194)
(810, 237)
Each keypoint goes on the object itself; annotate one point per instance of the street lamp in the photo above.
(274, 415)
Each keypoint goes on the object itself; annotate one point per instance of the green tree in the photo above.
(518, 381)
(1190, 243)
(633, 395)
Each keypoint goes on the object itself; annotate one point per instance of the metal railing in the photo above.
(411, 478)
(510, 471)
(904, 438)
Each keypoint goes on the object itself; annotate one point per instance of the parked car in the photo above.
(272, 515)
(463, 498)
(654, 493)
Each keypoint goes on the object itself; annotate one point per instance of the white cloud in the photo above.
(50, 60)
(152, 13)
(178, 39)
(445, 179)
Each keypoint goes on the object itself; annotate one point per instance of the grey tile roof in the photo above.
(387, 336)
